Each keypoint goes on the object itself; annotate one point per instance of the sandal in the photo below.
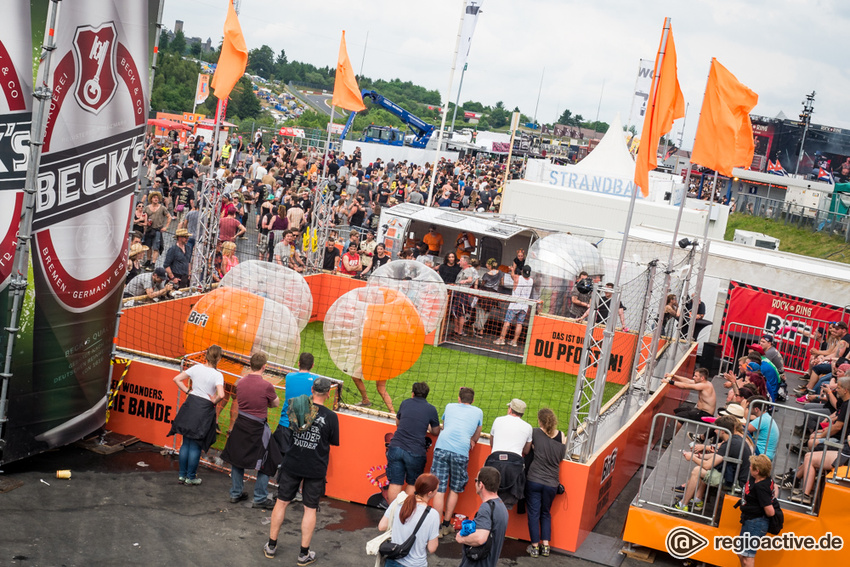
(366, 404)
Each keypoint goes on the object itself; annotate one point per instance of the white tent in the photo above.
(608, 169)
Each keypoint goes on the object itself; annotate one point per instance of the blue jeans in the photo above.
(538, 502)
(756, 528)
(402, 465)
(190, 456)
(392, 563)
(261, 486)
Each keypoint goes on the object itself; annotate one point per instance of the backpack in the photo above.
(776, 522)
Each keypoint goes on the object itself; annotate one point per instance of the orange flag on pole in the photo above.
(346, 91)
(666, 104)
(725, 133)
(233, 58)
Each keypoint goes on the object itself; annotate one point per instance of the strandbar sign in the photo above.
(92, 150)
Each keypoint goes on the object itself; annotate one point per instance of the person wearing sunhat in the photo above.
(177, 259)
(135, 255)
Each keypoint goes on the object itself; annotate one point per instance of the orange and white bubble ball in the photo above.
(243, 323)
(420, 284)
(374, 333)
(276, 282)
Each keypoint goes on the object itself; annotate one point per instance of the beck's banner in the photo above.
(93, 145)
(751, 310)
(15, 125)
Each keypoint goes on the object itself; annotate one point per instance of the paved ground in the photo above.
(128, 509)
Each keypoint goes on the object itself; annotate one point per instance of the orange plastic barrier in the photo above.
(556, 344)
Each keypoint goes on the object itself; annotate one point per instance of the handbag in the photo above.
(480, 552)
(374, 544)
(390, 550)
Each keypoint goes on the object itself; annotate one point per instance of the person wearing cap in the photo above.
(177, 259)
(706, 401)
(135, 254)
(434, 241)
(407, 451)
(510, 441)
(154, 285)
(711, 467)
(305, 464)
(247, 442)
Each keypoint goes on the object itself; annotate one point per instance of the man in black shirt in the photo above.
(306, 462)
(331, 256)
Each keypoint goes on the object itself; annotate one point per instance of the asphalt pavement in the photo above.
(128, 509)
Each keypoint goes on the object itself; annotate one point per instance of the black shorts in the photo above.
(691, 413)
(311, 492)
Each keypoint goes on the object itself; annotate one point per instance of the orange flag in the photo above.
(233, 58)
(725, 133)
(662, 109)
(346, 91)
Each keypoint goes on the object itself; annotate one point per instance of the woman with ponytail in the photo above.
(195, 420)
(404, 518)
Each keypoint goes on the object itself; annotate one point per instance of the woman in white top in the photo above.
(406, 516)
(195, 420)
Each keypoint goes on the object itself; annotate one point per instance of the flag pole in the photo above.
(195, 98)
(653, 94)
(328, 144)
(446, 105)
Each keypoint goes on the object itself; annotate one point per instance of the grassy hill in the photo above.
(793, 239)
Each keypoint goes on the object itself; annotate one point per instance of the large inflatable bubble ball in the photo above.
(275, 282)
(563, 257)
(373, 333)
(420, 284)
(243, 323)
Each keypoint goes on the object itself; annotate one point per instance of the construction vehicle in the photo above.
(421, 130)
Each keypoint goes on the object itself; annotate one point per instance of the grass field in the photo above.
(792, 238)
(495, 382)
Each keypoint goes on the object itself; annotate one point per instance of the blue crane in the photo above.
(386, 134)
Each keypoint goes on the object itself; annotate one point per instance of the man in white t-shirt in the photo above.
(510, 439)
(516, 313)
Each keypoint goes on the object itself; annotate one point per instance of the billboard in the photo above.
(93, 145)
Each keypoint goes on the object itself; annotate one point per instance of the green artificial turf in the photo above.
(495, 382)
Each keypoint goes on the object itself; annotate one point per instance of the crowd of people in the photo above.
(749, 434)
(523, 465)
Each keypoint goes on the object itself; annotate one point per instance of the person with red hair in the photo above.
(404, 517)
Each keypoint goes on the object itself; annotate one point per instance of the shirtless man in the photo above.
(706, 402)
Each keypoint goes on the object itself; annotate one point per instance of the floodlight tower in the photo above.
(806, 119)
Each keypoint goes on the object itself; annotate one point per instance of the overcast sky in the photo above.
(782, 49)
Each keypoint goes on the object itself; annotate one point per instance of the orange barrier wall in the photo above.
(146, 403)
(650, 528)
(156, 328)
(556, 344)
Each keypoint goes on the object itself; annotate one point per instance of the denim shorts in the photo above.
(448, 464)
(403, 466)
(757, 528)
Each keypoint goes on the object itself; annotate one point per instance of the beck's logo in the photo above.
(94, 55)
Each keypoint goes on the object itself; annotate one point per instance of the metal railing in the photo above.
(795, 459)
(671, 466)
(811, 218)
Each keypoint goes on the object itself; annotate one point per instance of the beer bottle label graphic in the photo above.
(93, 146)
